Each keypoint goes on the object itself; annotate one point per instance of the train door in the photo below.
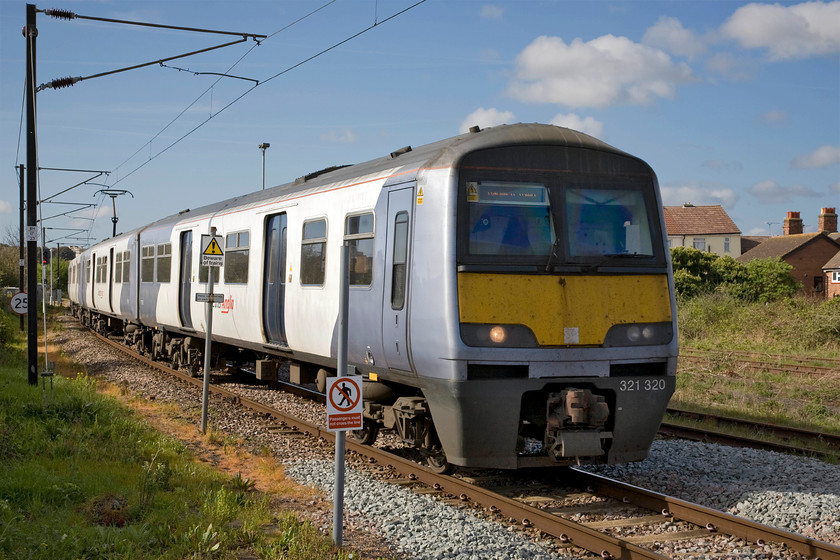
(110, 280)
(185, 286)
(92, 279)
(274, 279)
(395, 303)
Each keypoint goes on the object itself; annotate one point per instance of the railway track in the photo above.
(549, 511)
(772, 363)
(785, 439)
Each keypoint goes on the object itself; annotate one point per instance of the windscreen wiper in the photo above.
(614, 257)
(554, 247)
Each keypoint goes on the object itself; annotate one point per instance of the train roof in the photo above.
(406, 162)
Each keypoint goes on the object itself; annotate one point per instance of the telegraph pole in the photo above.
(30, 32)
(21, 242)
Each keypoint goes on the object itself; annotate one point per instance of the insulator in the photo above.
(63, 82)
(60, 14)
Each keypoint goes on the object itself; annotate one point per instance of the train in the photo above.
(511, 298)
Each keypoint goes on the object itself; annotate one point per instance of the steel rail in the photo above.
(565, 530)
(774, 364)
(710, 518)
(775, 430)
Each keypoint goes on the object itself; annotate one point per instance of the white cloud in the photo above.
(485, 118)
(722, 165)
(732, 68)
(602, 72)
(489, 11)
(770, 192)
(787, 32)
(700, 194)
(669, 34)
(5, 207)
(343, 136)
(822, 157)
(587, 125)
(774, 117)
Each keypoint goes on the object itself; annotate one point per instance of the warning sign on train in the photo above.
(211, 251)
(344, 403)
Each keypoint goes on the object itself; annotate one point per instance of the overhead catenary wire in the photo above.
(262, 83)
(211, 86)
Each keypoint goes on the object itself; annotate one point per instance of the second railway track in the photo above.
(666, 519)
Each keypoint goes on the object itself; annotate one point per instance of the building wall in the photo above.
(807, 264)
(712, 243)
(832, 288)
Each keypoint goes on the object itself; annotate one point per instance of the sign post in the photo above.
(20, 303)
(213, 257)
(344, 398)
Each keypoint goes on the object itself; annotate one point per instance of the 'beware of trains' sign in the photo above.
(344, 403)
(211, 251)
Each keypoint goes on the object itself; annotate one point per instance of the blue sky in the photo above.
(731, 103)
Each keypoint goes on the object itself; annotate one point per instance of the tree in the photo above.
(768, 280)
(9, 265)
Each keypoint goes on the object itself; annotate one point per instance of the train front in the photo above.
(565, 309)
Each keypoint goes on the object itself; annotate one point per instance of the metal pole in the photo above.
(208, 318)
(22, 279)
(263, 147)
(343, 306)
(31, 32)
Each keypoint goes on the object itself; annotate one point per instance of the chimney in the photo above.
(827, 221)
(793, 224)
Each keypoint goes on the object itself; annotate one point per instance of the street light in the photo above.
(264, 146)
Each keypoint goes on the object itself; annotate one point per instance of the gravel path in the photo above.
(792, 493)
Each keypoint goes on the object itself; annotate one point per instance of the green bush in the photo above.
(697, 273)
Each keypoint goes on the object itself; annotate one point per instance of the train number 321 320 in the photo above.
(642, 385)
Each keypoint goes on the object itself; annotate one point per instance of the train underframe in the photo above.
(505, 423)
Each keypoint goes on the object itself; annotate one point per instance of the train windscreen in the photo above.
(554, 206)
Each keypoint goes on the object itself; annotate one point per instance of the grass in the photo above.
(85, 477)
(797, 327)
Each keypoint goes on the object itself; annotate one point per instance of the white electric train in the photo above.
(511, 297)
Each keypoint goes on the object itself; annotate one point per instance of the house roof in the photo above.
(698, 220)
(834, 262)
(782, 246)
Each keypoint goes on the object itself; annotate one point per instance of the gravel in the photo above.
(796, 494)
(419, 524)
(793, 493)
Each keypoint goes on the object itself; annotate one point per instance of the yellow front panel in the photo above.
(550, 304)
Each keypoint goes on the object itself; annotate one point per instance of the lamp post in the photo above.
(264, 146)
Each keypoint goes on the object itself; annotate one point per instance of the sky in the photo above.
(731, 103)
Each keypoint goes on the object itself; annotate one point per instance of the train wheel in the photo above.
(321, 380)
(365, 436)
(435, 456)
(436, 461)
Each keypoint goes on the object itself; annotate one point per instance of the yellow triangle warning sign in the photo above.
(213, 248)
(472, 192)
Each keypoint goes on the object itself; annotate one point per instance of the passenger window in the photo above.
(358, 234)
(237, 249)
(400, 261)
(147, 264)
(118, 268)
(313, 253)
(164, 262)
(101, 269)
(126, 266)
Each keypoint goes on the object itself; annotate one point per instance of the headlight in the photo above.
(639, 334)
(501, 336)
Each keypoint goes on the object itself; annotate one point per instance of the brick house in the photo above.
(807, 253)
(706, 228)
(831, 269)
